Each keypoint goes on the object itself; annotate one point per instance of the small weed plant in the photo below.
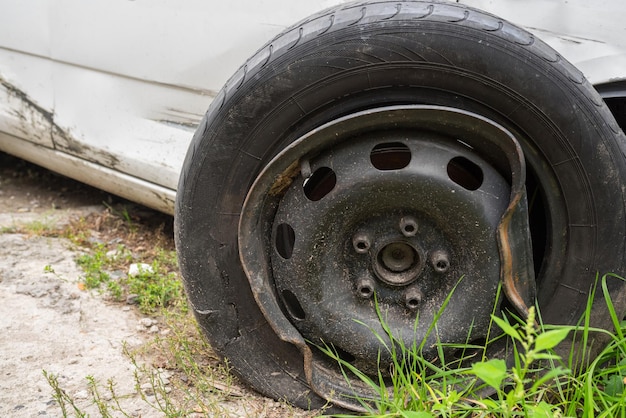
(532, 380)
(185, 379)
(153, 286)
(105, 258)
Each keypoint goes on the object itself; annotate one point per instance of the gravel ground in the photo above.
(46, 321)
(49, 322)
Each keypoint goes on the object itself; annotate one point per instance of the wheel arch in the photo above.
(614, 95)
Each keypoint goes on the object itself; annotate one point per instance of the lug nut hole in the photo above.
(361, 243)
(440, 261)
(365, 287)
(366, 292)
(412, 303)
(412, 298)
(408, 226)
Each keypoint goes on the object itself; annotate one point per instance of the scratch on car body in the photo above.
(187, 126)
(38, 123)
(48, 115)
(32, 121)
(72, 146)
(180, 119)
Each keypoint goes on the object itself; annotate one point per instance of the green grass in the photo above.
(42, 226)
(157, 286)
(176, 373)
(536, 382)
(189, 379)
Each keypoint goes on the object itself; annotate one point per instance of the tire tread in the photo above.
(333, 19)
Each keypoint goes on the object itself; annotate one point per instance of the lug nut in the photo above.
(440, 261)
(365, 287)
(361, 243)
(412, 298)
(408, 226)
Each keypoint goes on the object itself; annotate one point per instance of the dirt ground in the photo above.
(48, 322)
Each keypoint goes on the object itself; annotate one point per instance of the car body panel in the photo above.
(110, 91)
(590, 34)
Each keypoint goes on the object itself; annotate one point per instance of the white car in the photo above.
(409, 157)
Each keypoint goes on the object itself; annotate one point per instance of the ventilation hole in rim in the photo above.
(465, 173)
(390, 156)
(293, 305)
(343, 354)
(284, 240)
(321, 182)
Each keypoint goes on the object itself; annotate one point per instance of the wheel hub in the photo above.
(398, 263)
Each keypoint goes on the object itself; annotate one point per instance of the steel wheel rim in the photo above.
(270, 238)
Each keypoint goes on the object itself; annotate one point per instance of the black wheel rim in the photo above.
(401, 203)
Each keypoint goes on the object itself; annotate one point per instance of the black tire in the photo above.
(383, 53)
